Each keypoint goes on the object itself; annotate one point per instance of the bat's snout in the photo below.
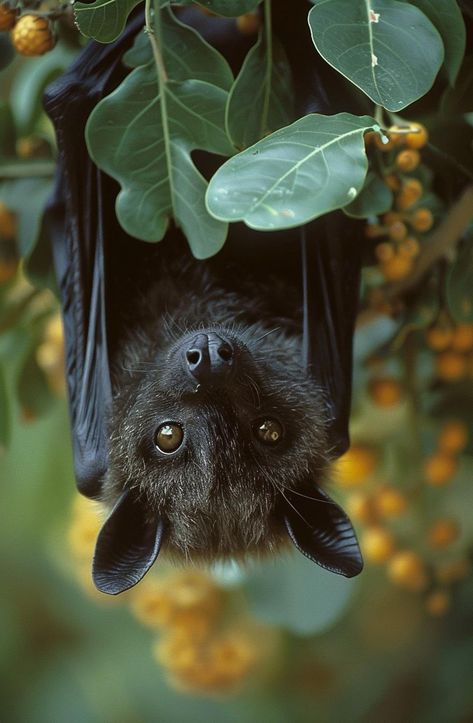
(209, 358)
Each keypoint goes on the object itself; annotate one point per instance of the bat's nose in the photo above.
(209, 357)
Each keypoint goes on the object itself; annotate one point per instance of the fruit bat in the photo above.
(207, 398)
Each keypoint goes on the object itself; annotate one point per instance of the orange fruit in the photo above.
(451, 366)
(418, 137)
(391, 217)
(33, 35)
(407, 570)
(8, 16)
(359, 506)
(453, 437)
(385, 392)
(373, 230)
(409, 247)
(392, 181)
(439, 469)
(437, 602)
(439, 337)
(409, 194)
(422, 220)
(443, 533)
(397, 231)
(352, 468)
(384, 251)
(463, 337)
(377, 545)
(390, 502)
(397, 268)
(407, 160)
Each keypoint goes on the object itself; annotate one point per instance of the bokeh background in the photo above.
(282, 641)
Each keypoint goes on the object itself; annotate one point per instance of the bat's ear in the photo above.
(320, 529)
(127, 546)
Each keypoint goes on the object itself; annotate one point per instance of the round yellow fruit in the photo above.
(355, 466)
(33, 35)
(377, 545)
(439, 469)
(385, 392)
(418, 136)
(390, 502)
(451, 366)
(443, 533)
(453, 437)
(439, 337)
(422, 220)
(463, 338)
(407, 570)
(407, 160)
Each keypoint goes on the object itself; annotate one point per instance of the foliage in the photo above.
(398, 157)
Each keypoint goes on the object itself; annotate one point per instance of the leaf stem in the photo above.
(268, 37)
(150, 29)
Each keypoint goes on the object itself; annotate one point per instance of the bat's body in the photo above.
(207, 398)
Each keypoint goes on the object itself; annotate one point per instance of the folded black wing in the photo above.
(81, 220)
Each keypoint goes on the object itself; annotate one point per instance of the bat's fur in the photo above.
(219, 493)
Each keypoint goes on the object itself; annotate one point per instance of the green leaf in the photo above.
(388, 49)
(374, 198)
(447, 18)
(34, 394)
(460, 284)
(29, 83)
(186, 54)
(4, 413)
(262, 98)
(309, 168)
(27, 198)
(228, 8)
(459, 100)
(296, 594)
(103, 20)
(143, 135)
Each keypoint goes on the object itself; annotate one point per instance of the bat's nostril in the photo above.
(193, 356)
(225, 352)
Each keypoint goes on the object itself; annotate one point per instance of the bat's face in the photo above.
(213, 435)
(217, 446)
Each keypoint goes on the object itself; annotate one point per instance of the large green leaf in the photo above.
(447, 18)
(460, 284)
(262, 98)
(296, 594)
(389, 49)
(103, 20)
(313, 166)
(143, 135)
(374, 198)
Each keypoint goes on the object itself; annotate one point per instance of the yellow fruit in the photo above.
(439, 337)
(385, 392)
(438, 602)
(373, 230)
(451, 366)
(355, 466)
(407, 570)
(249, 23)
(407, 160)
(391, 217)
(409, 247)
(397, 231)
(360, 508)
(409, 194)
(422, 220)
(453, 437)
(33, 35)
(439, 469)
(390, 502)
(7, 223)
(8, 16)
(418, 137)
(463, 338)
(377, 545)
(392, 181)
(397, 268)
(443, 533)
(385, 147)
(384, 251)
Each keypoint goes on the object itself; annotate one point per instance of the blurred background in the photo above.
(280, 641)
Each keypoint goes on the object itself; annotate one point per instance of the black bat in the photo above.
(207, 398)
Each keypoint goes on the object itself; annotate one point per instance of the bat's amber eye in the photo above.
(268, 431)
(169, 437)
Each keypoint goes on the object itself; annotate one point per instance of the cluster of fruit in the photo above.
(453, 347)
(201, 646)
(380, 509)
(397, 231)
(32, 33)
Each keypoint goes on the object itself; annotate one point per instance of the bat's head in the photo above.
(218, 446)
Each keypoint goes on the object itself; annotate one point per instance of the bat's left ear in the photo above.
(127, 546)
(321, 530)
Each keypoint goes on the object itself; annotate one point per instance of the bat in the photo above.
(207, 398)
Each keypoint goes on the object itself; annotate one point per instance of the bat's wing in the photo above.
(81, 219)
(331, 281)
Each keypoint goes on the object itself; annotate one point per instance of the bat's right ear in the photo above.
(127, 546)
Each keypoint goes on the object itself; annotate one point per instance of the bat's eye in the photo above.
(268, 431)
(169, 437)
